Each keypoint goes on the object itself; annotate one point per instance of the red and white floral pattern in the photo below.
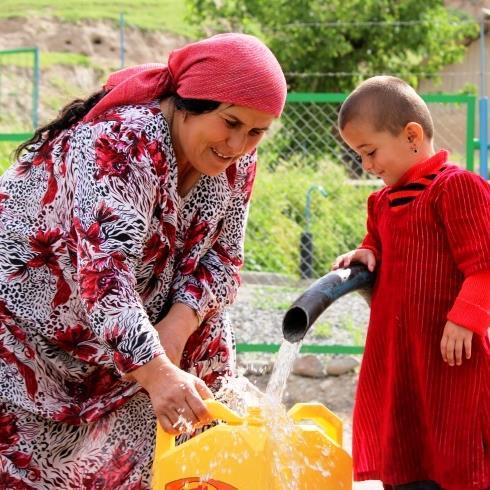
(95, 243)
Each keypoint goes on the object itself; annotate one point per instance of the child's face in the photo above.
(386, 156)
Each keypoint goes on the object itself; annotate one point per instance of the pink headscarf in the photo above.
(231, 68)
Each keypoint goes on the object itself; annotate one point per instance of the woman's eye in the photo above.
(231, 124)
(371, 153)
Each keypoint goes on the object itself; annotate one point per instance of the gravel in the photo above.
(259, 309)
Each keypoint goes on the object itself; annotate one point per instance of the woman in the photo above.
(121, 237)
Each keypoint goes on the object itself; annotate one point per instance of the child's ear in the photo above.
(414, 133)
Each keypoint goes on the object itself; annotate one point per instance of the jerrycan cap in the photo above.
(254, 416)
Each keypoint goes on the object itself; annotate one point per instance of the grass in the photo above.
(275, 298)
(355, 330)
(6, 149)
(322, 330)
(153, 15)
(53, 58)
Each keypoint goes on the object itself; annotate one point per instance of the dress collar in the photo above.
(416, 180)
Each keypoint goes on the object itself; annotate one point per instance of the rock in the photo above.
(257, 368)
(341, 365)
(309, 366)
(327, 384)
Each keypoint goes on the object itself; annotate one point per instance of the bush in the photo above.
(277, 217)
(6, 149)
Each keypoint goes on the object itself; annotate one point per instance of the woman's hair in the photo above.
(77, 109)
(388, 104)
(68, 116)
(194, 106)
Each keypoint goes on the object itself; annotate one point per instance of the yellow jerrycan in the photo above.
(301, 452)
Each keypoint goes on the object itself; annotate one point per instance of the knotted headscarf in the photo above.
(229, 68)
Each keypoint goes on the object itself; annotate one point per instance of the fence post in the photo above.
(306, 239)
(122, 46)
(470, 132)
(483, 105)
(35, 90)
(484, 137)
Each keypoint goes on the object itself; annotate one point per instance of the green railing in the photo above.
(19, 86)
(305, 349)
(308, 127)
(466, 101)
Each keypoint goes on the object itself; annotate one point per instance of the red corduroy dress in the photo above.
(416, 417)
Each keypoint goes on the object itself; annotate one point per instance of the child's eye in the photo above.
(256, 132)
(371, 153)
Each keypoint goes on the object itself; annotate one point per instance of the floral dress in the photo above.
(95, 245)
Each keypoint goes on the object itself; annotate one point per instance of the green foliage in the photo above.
(322, 330)
(278, 218)
(6, 149)
(155, 15)
(70, 59)
(356, 331)
(314, 36)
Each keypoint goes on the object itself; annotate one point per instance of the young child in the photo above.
(422, 412)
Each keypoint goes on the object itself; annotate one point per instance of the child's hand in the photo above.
(454, 338)
(362, 255)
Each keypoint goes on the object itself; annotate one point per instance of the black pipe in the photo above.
(320, 295)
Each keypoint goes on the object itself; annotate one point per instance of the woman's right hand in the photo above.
(359, 255)
(177, 397)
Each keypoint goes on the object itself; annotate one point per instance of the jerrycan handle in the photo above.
(320, 415)
(166, 441)
(220, 411)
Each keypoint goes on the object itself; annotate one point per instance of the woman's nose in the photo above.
(237, 142)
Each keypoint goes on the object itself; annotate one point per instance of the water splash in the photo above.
(287, 448)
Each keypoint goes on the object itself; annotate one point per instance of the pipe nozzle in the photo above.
(320, 295)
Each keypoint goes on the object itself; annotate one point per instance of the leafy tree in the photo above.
(340, 42)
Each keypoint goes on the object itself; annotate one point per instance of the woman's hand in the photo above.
(360, 255)
(454, 340)
(177, 397)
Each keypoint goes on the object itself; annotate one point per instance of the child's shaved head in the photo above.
(388, 104)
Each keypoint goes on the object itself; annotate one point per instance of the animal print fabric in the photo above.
(95, 243)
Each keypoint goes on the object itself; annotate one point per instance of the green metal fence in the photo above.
(308, 204)
(19, 91)
(304, 155)
(19, 98)
(295, 232)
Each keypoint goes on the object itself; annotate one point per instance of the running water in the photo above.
(282, 369)
(287, 449)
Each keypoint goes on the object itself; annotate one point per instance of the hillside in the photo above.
(75, 58)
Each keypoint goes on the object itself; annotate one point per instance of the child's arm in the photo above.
(470, 313)
(465, 212)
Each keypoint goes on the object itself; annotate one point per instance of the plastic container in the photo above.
(248, 453)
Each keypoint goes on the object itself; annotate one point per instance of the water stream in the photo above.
(289, 454)
(282, 369)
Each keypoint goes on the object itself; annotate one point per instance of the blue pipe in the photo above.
(483, 105)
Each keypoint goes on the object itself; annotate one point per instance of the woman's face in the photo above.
(211, 142)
